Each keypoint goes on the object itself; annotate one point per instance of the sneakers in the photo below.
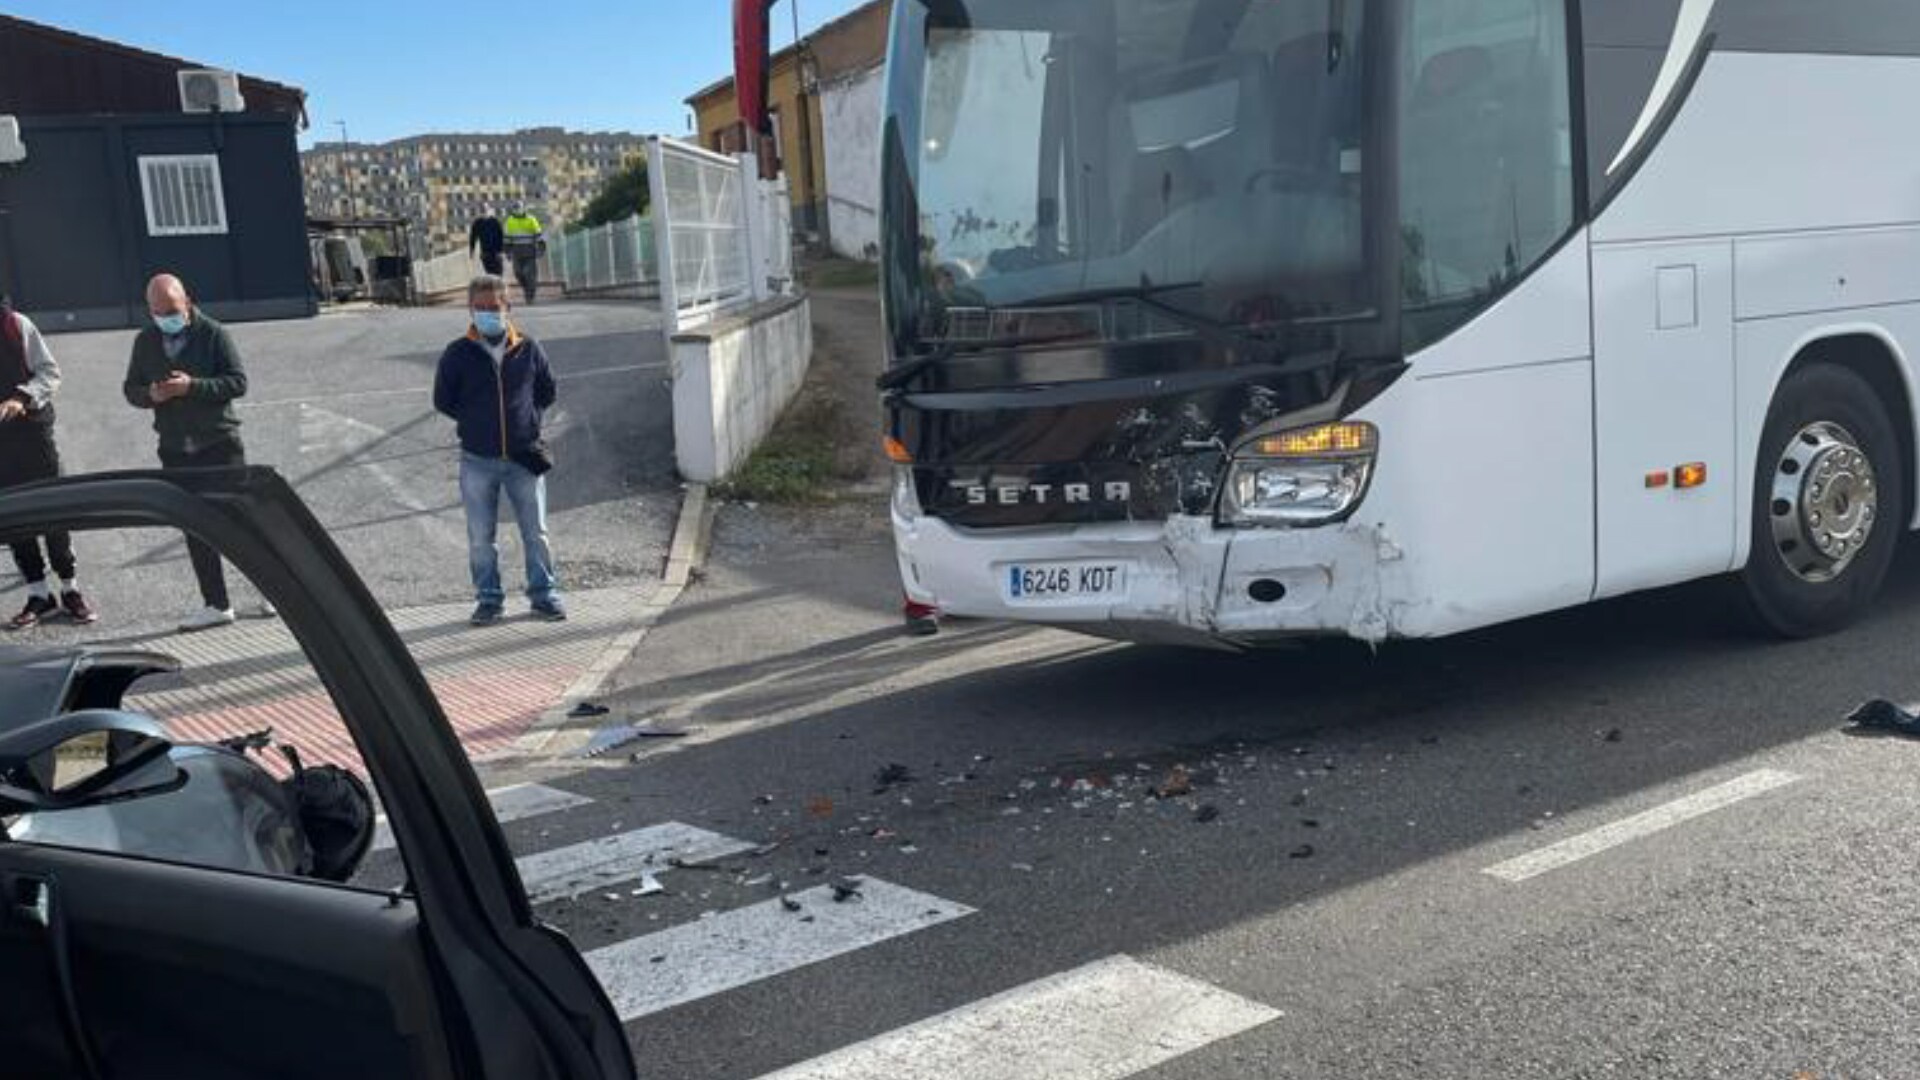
(487, 615)
(207, 619)
(550, 610)
(38, 608)
(77, 608)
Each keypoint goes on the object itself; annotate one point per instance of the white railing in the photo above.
(724, 236)
(613, 256)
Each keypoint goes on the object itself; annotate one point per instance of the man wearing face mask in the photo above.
(494, 383)
(186, 369)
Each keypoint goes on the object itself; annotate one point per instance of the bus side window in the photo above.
(1486, 174)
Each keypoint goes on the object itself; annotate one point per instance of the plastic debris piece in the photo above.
(1207, 813)
(607, 740)
(846, 889)
(587, 708)
(1178, 783)
(891, 775)
(789, 903)
(1880, 715)
(649, 885)
(1304, 851)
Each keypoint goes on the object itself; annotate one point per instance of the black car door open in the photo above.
(114, 965)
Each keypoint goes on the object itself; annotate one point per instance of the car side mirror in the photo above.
(86, 758)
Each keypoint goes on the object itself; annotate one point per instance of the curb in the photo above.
(692, 534)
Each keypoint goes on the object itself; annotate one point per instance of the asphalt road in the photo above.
(341, 406)
(1729, 895)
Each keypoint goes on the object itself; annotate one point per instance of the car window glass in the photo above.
(274, 783)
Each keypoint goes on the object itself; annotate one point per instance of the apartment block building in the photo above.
(441, 182)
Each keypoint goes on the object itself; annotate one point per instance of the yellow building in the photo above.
(854, 42)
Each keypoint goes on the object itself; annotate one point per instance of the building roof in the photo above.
(47, 71)
(829, 29)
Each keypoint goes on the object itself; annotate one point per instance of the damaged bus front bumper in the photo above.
(1179, 580)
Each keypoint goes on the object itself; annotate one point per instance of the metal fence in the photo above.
(724, 234)
(612, 256)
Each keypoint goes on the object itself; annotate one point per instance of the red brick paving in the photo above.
(488, 711)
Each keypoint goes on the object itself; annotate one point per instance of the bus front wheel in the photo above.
(1829, 503)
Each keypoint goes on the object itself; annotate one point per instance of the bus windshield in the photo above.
(1304, 166)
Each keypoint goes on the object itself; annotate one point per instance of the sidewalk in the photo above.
(495, 683)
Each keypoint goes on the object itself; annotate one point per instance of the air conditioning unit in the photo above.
(12, 150)
(206, 90)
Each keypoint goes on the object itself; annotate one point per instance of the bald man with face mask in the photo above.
(187, 371)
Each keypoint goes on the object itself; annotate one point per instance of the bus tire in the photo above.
(1829, 504)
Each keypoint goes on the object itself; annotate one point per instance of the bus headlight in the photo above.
(1310, 476)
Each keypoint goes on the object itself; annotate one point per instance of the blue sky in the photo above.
(401, 67)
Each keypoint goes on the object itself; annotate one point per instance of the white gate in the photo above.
(723, 236)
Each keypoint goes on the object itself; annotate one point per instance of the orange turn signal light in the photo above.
(897, 451)
(1690, 476)
(1325, 440)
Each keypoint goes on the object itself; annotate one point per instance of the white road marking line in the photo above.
(509, 804)
(1113, 1018)
(564, 873)
(1646, 823)
(744, 946)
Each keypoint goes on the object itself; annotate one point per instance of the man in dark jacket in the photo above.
(29, 377)
(490, 237)
(494, 383)
(186, 369)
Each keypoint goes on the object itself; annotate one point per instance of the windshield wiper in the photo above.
(1259, 348)
(1228, 336)
(899, 376)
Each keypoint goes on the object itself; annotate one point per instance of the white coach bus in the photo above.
(1235, 320)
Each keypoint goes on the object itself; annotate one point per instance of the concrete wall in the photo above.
(850, 113)
(731, 379)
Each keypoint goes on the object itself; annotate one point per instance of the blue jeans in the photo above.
(481, 481)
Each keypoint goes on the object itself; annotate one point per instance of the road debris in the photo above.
(820, 806)
(1206, 813)
(1304, 851)
(619, 736)
(890, 776)
(649, 885)
(585, 709)
(1612, 735)
(1178, 784)
(846, 889)
(789, 903)
(1881, 715)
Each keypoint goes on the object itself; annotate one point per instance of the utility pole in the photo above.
(346, 170)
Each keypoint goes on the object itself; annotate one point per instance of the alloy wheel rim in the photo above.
(1825, 502)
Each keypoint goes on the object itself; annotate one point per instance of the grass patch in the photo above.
(841, 274)
(794, 466)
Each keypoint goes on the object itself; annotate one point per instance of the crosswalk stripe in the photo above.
(568, 872)
(1644, 824)
(1111, 1019)
(509, 804)
(646, 975)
